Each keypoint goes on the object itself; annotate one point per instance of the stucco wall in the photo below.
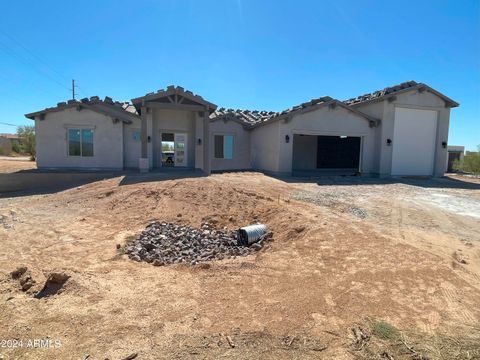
(171, 121)
(241, 146)
(326, 121)
(132, 147)
(52, 146)
(414, 100)
(264, 149)
(199, 147)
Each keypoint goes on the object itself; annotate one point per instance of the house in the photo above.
(454, 153)
(400, 130)
(7, 143)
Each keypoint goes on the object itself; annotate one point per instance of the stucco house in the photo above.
(400, 130)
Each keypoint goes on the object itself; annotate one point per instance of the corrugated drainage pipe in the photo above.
(248, 235)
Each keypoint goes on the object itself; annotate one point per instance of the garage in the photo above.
(414, 136)
(326, 154)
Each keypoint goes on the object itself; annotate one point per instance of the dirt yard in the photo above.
(397, 261)
(9, 164)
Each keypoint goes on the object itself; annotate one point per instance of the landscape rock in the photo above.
(167, 243)
(19, 271)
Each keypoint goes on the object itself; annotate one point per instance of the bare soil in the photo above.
(344, 251)
(9, 164)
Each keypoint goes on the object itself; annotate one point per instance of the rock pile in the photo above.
(166, 243)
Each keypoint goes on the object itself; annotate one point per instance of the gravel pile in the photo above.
(166, 243)
(340, 200)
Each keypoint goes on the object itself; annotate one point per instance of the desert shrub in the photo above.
(470, 164)
(383, 329)
(26, 135)
(16, 147)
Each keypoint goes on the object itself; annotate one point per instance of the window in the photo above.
(224, 146)
(80, 142)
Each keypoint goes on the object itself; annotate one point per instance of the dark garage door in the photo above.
(335, 152)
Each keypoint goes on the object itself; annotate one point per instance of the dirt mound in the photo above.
(54, 285)
(166, 243)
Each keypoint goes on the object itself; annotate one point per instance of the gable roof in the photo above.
(251, 119)
(172, 91)
(380, 95)
(122, 111)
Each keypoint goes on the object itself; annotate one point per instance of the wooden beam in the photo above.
(172, 106)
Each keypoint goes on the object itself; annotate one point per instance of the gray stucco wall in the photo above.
(414, 100)
(52, 145)
(265, 147)
(241, 146)
(131, 146)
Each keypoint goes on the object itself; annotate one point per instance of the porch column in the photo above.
(206, 141)
(143, 164)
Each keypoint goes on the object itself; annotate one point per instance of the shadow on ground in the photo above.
(36, 182)
(443, 182)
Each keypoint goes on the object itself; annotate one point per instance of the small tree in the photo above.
(26, 135)
(470, 164)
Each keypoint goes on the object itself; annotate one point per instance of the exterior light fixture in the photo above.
(444, 144)
(149, 138)
(199, 141)
(287, 139)
(389, 142)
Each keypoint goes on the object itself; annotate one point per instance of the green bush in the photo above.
(16, 147)
(26, 135)
(470, 164)
(2, 151)
(383, 329)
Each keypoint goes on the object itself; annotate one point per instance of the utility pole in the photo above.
(73, 89)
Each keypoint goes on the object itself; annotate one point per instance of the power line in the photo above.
(32, 53)
(4, 123)
(14, 54)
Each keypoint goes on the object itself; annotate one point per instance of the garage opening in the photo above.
(329, 155)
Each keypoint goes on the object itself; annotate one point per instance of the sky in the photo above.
(251, 54)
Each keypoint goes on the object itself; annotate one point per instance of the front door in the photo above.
(180, 149)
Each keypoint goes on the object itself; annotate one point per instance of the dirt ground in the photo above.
(346, 252)
(10, 164)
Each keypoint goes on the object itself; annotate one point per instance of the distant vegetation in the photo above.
(470, 164)
(26, 135)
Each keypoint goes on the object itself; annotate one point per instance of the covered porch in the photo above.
(175, 126)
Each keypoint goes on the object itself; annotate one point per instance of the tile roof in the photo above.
(122, 111)
(380, 93)
(247, 117)
(256, 117)
(174, 90)
(392, 90)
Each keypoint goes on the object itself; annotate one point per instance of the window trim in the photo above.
(233, 146)
(79, 128)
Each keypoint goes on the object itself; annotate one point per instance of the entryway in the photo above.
(330, 155)
(173, 149)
